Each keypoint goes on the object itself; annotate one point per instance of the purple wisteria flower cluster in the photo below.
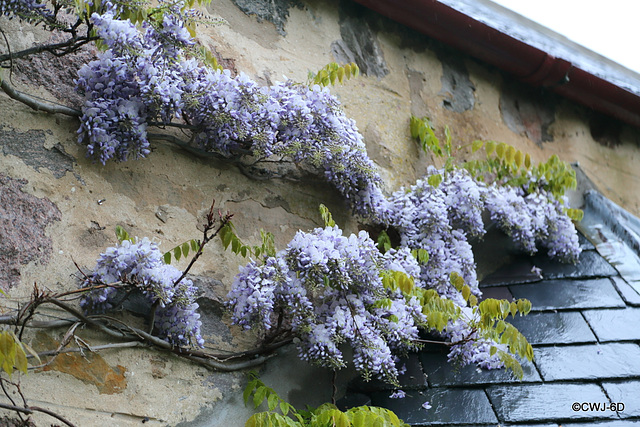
(145, 76)
(441, 219)
(426, 218)
(26, 10)
(328, 288)
(140, 265)
(327, 284)
(535, 219)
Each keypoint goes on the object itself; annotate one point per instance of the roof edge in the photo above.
(526, 62)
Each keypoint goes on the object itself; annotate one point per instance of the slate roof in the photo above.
(584, 328)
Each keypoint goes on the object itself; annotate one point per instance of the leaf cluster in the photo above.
(502, 163)
(514, 167)
(489, 320)
(331, 72)
(182, 250)
(488, 316)
(122, 235)
(492, 322)
(229, 237)
(424, 131)
(326, 216)
(12, 353)
(326, 415)
(139, 11)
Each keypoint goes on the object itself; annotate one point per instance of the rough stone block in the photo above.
(23, 220)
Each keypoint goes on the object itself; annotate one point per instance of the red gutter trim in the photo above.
(525, 62)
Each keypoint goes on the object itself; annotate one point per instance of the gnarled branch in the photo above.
(36, 104)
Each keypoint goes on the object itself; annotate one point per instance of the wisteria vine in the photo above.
(327, 288)
(146, 76)
(140, 264)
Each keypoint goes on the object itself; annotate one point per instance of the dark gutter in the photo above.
(528, 63)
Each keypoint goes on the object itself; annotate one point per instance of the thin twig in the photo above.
(6, 41)
(52, 414)
(432, 342)
(31, 409)
(224, 220)
(7, 394)
(334, 390)
(86, 319)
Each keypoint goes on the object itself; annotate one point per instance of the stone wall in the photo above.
(58, 208)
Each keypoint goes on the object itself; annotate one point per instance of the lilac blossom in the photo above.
(423, 219)
(26, 10)
(535, 219)
(327, 286)
(151, 70)
(140, 265)
(398, 394)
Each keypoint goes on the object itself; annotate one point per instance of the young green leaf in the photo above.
(477, 144)
(122, 235)
(326, 216)
(435, 180)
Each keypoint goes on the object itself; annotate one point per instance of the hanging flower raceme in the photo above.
(145, 76)
(140, 265)
(329, 289)
(26, 10)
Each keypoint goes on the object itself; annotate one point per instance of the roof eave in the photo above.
(524, 61)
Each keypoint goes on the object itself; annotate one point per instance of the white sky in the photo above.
(608, 27)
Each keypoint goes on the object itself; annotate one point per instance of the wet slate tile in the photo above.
(352, 400)
(441, 373)
(568, 294)
(628, 293)
(516, 271)
(615, 423)
(615, 325)
(448, 406)
(529, 425)
(590, 264)
(627, 393)
(585, 244)
(546, 402)
(588, 362)
(496, 292)
(567, 327)
(412, 378)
